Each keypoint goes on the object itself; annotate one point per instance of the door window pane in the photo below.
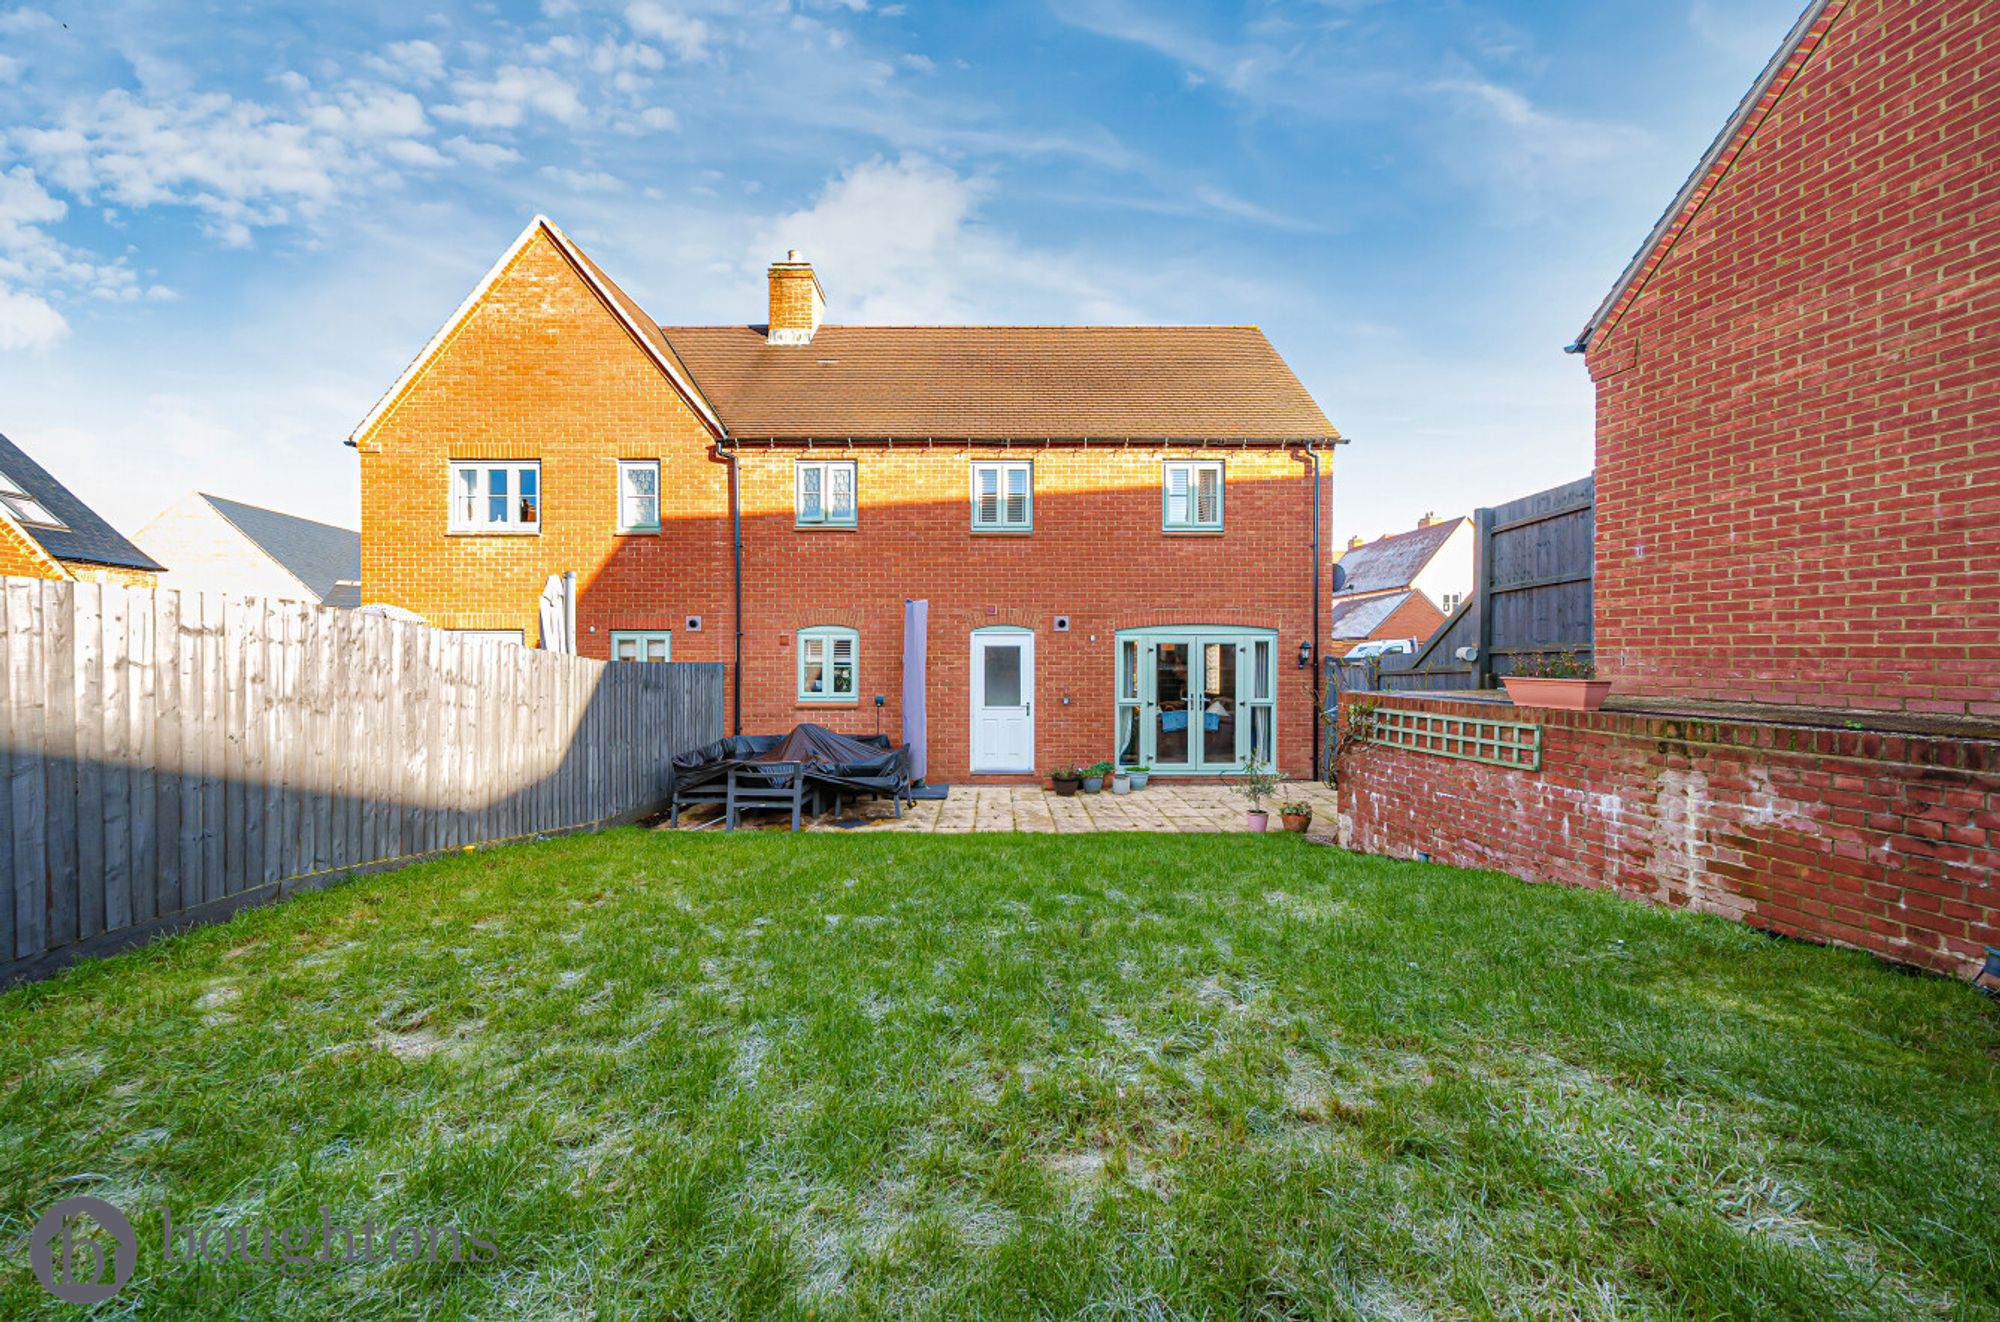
(1003, 674)
(1218, 704)
(1171, 700)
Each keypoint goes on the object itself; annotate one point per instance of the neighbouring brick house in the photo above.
(1114, 526)
(1401, 585)
(1797, 531)
(220, 545)
(46, 532)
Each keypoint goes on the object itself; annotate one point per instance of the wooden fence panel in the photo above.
(165, 756)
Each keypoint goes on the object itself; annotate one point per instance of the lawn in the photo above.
(1013, 1076)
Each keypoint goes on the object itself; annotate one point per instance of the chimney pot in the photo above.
(1430, 518)
(1356, 542)
(798, 304)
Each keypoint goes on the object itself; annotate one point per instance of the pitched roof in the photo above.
(1393, 561)
(1750, 113)
(1002, 382)
(641, 327)
(324, 558)
(84, 536)
(1358, 619)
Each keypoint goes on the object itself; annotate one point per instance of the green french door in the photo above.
(1196, 699)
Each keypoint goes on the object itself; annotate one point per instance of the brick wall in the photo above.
(539, 370)
(1417, 618)
(1886, 842)
(21, 556)
(1798, 490)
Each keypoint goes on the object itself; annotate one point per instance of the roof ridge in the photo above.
(211, 498)
(984, 325)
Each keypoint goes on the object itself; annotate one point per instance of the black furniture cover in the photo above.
(867, 763)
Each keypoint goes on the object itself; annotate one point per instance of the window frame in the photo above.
(827, 635)
(1001, 468)
(825, 469)
(1194, 467)
(637, 465)
(19, 501)
(513, 526)
(641, 637)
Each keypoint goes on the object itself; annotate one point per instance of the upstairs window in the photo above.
(1452, 601)
(25, 507)
(638, 495)
(496, 496)
(642, 645)
(1192, 495)
(1003, 496)
(824, 493)
(827, 665)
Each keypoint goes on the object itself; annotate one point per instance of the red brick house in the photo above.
(1401, 585)
(1797, 505)
(1798, 385)
(1114, 526)
(46, 532)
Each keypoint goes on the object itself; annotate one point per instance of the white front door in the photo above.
(1003, 700)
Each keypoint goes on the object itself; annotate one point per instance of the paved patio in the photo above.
(1161, 806)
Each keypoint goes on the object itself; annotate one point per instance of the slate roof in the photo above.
(1001, 382)
(1393, 561)
(85, 537)
(319, 555)
(1358, 619)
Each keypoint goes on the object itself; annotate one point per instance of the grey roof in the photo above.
(85, 536)
(1358, 619)
(319, 555)
(1393, 561)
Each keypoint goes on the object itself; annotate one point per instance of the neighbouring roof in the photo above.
(1393, 561)
(84, 537)
(324, 558)
(1751, 111)
(1358, 619)
(1002, 382)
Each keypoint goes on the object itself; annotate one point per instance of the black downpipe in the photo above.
(1312, 457)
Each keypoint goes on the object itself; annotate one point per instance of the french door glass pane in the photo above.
(1171, 746)
(1003, 674)
(1218, 683)
(1260, 663)
(1128, 737)
(1260, 734)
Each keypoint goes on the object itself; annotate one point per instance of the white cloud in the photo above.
(418, 60)
(16, 21)
(583, 181)
(687, 36)
(487, 155)
(508, 97)
(28, 321)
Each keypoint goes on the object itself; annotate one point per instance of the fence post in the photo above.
(1482, 580)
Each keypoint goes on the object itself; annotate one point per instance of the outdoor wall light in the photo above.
(1305, 655)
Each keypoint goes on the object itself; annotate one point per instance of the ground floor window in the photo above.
(826, 664)
(1197, 698)
(642, 645)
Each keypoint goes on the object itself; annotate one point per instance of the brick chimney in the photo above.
(1429, 520)
(798, 304)
(1356, 542)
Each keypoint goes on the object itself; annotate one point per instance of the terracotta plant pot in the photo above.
(1259, 820)
(1559, 694)
(1297, 821)
(1067, 786)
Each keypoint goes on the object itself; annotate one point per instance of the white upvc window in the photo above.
(1452, 601)
(25, 507)
(496, 495)
(638, 495)
(823, 494)
(828, 660)
(642, 645)
(1191, 495)
(1003, 496)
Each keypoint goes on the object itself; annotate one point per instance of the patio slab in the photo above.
(971, 809)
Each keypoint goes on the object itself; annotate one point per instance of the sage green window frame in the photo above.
(1135, 732)
(630, 499)
(1191, 472)
(640, 640)
(826, 645)
(1002, 473)
(816, 483)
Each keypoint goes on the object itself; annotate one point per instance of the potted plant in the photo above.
(1257, 781)
(1297, 815)
(1139, 775)
(1121, 783)
(1066, 780)
(1093, 776)
(1562, 681)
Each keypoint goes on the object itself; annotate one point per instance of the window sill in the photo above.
(1003, 532)
(637, 532)
(826, 527)
(826, 702)
(1192, 532)
(494, 532)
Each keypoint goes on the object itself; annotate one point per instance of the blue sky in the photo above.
(224, 229)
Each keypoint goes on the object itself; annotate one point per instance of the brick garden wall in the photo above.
(1798, 489)
(1886, 842)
